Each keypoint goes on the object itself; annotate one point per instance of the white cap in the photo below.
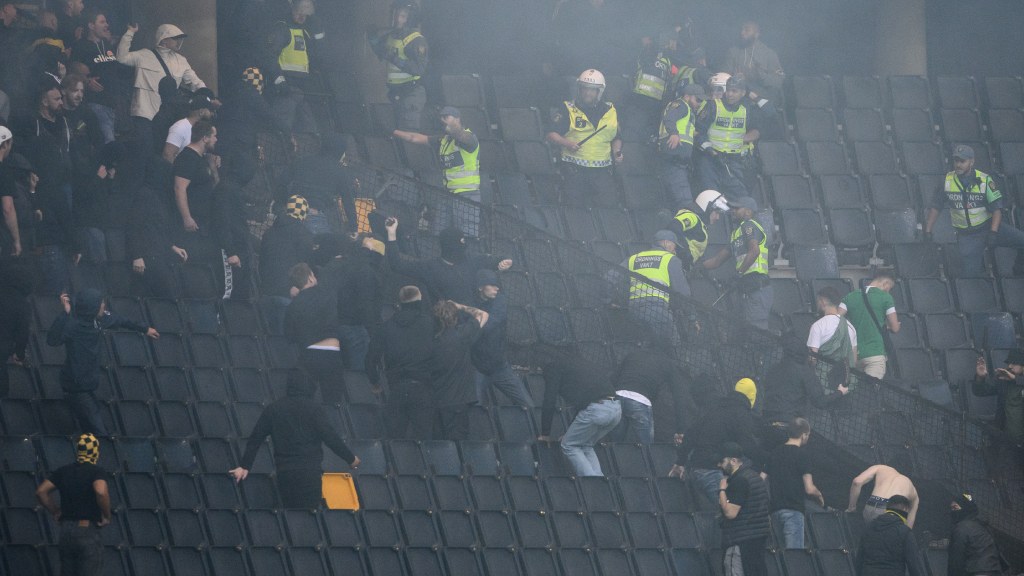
(5, 134)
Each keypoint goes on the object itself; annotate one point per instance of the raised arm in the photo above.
(124, 49)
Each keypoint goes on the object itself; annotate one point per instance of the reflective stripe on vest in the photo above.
(727, 130)
(652, 264)
(652, 82)
(684, 126)
(395, 74)
(294, 58)
(761, 264)
(597, 151)
(968, 208)
(690, 220)
(461, 169)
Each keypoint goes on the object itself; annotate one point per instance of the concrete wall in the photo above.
(901, 46)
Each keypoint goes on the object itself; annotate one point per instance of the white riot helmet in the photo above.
(712, 200)
(719, 80)
(591, 79)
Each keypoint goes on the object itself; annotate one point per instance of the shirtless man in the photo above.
(888, 483)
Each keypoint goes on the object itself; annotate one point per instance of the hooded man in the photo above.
(285, 244)
(729, 419)
(93, 209)
(888, 546)
(403, 348)
(491, 367)
(353, 271)
(245, 111)
(972, 549)
(452, 276)
(149, 67)
(298, 426)
(81, 333)
(84, 508)
(457, 328)
(322, 179)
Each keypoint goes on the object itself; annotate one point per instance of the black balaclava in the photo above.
(299, 385)
(87, 304)
(414, 306)
(453, 249)
(968, 509)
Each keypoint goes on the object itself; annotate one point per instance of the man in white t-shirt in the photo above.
(826, 339)
(200, 107)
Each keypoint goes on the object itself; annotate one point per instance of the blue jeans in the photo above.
(355, 341)
(591, 424)
(86, 409)
(707, 481)
(53, 267)
(972, 248)
(757, 307)
(636, 416)
(676, 176)
(80, 549)
(94, 244)
(273, 311)
(791, 523)
(506, 380)
(106, 118)
(725, 175)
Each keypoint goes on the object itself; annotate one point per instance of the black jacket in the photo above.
(312, 316)
(322, 179)
(646, 371)
(443, 281)
(405, 346)
(790, 388)
(356, 279)
(972, 549)
(82, 335)
(15, 311)
(730, 419)
(298, 426)
(577, 381)
(231, 229)
(751, 522)
(151, 227)
(244, 112)
(285, 244)
(888, 548)
(489, 350)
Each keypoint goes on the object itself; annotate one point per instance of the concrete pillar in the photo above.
(900, 47)
(197, 18)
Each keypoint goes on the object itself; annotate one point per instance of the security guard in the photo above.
(975, 207)
(650, 303)
(459, 149)
(288, 62)
(588, 132)
(749, 246)
(405, 51)
(730, 128)
(693, 71)
(691, 222)
(650, 84)
(675, 139)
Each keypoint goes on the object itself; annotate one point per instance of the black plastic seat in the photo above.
(896, 226)
(533, 157)
(1012, 156)
(564, 494)
(365, 420)
(245, 352)
(599, 494)
(175, 455)
(917, 260)
(890, 192)
(842, 191)
(1006, 125)
(630, 460)
(778, 158)
(181, 491)
(957, 92)
(141, 491)
(803, 228)
(915, 364)
(911, 332)
(442, 456)
(571, 529)
(488, 493)
(816, 125)
(909, 91)
(175, 419)
(637, 494)
(863, 125)
(496, 529)
(526, 494)
(608, 530)
(851, 228)
(815, 262)
(414, 492)
(343, 528)
(961, 125)
(1004, 92)
(521, 124)
(19, 419)
(643, 192)
(458, 528)
(171, 383)
(930, 295)
(827, 158)
(517, 459)
(144, 527)
(922, 158)
(993, 330)
(130, 349)
(977, 295)
(227, 561)
(875, 158)
(534, 531)
(863, 92)
(792, 191)
(206, 351)
(580, 224)
(814, 91)
(913, 125)
(184, 528)
(947, 331)
(499, 561)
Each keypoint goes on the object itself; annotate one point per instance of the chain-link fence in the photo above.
(563, 296)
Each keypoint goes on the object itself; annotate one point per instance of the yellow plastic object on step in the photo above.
(340, 492)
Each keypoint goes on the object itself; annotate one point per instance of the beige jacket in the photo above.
(148, 71)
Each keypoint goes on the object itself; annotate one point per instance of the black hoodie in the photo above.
(285, 244)
(82, 334)
(888, 548)
(972, 549)
(405, 345)
(298, 426)
(730, 419)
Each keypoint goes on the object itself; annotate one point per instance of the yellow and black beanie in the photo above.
(88, 449)
(297, 207)
(255, 77)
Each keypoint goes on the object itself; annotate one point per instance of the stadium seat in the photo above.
(842, 191)
(909, 92)
(915, 364)
(637, 494)
(615, 225)
(863, 92)
(1013, 294)
(890, 192)
(961, 126)
(535, 534)
(144, 528)
(930, 295)
(608, 530)
(1004, 93)
(815, 262)
(994, 330)
(580, 224)
(957, 92)
(488, 493)
(913, 125)
(577, 562)
(184, 528)
(479, 457)
(381, 528)
(181, 491)
(240, 318)
(636, 161)
(383, 152)
(227, 561)
(496, 529)
(419, 528)
(792, 191)
(148, 559)
(130, 349)
(779, 158)
(521, 124)
(1011, 155)
(922, 158)
(414, 492)
(803, 227)
(827, 158)
(458, 529)
(688, 560)
(546, 218)
(977, 295)
(816, 125)
(863, 125)
(645, 530)
(945, 331)
(851, 228)
(917, 260)
(896, 227)
(526, 494)
(875, 158)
